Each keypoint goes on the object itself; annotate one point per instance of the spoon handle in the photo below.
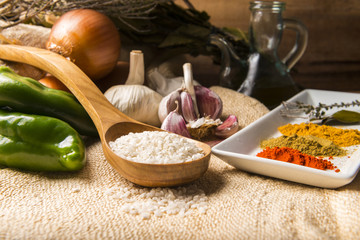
(101, 111)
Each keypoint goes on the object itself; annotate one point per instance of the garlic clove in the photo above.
(175, 123)
(168, 104)
(228, 127)
(208, 102)
(187, 107)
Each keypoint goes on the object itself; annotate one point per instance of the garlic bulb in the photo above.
(191, 104)
(194, 101)
(137, 101)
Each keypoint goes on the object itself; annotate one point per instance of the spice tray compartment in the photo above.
(240, 149)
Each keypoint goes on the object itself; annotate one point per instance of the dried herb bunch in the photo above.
(23, 11)
(161, 24)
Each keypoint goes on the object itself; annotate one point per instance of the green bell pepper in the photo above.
(26, 95)
(39, 143)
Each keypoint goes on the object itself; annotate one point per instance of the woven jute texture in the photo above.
(241, 205)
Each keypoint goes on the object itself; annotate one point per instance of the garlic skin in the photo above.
(203, 127)
(228, 127)
(137, 101)
(204, 120)
(164, 85)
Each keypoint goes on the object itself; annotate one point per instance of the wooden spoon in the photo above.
(109, 121)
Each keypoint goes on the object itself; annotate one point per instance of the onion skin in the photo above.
(89, 39)
(54, 83)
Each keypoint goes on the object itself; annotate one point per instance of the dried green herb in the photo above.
(318, 113)
(344, 116)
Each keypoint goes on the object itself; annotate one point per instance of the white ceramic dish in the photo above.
(240, 149)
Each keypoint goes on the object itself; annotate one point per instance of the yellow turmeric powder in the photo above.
(339, 136)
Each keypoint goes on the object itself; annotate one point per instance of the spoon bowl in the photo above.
(109, 121)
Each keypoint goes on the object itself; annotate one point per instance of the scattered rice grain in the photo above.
(75, 190)
(158, 202)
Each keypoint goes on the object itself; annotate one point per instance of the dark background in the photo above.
(332, 58)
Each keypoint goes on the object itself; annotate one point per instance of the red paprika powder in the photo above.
(291, 155)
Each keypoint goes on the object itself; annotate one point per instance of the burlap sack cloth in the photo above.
(241, 205)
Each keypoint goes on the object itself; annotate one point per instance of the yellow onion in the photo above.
(89, 39)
